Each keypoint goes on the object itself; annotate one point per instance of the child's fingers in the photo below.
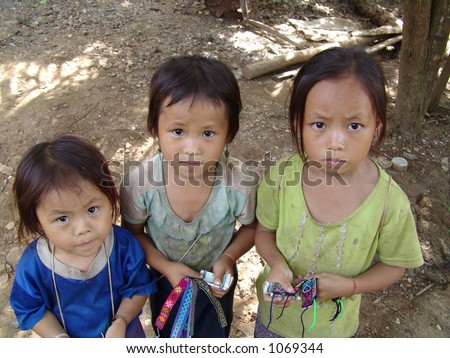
(287, 286)
(279, 301)
(282, 281)
(220, 268)
(184, 271)
(290, 289)
(218, 276)
(218, 292)
(175, 272)
(192, 273)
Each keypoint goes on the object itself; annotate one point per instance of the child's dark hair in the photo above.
(194, 77)
(58, 164)
(335, 63)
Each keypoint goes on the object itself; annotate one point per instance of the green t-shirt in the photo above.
(346, 248)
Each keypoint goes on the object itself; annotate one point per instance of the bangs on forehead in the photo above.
(171, 100)
(69, 181)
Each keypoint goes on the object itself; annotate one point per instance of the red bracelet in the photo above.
(355, 287)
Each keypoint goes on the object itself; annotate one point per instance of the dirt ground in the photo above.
(83, 67)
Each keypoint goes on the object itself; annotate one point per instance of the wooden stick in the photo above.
(426, 288)
(244, 9)
(377, 14)
(384, 44)
(382, 30)
(263, 67)
(286, 74)
(370, 49)
(255, 23)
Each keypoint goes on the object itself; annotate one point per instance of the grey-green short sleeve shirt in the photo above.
(233, 197)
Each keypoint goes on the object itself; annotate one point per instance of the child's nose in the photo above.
(81, 226)
(191, 146)
(336, 140)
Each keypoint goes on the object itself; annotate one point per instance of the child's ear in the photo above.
(156, 143)
(40, 230)
(377, 134)
(378, 129)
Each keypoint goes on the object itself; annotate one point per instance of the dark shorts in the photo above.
(261, 330)
(206, 322)
(135, 329)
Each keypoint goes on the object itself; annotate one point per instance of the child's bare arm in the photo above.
(242, 241)
(49, 327)
(129, 308)
(279, 269)
(376, 278)
(174, 271)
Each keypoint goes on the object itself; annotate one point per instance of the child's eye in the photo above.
(178, 132)
(93, 210)
(318, 125)
(208, 134)
(62, 219)
(354, 126)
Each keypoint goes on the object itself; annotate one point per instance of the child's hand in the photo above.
(330, 285)
(282, 274)
(223, 264)
(176, 271)
(116, 330)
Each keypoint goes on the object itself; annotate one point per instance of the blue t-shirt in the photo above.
(84, 296)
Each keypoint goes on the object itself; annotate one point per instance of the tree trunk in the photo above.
(425, 34)
(439, 87)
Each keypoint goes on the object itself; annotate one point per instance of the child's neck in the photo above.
(81, 263)
(187, 200)
(331, 199)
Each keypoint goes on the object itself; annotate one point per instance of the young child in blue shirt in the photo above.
(82, 276)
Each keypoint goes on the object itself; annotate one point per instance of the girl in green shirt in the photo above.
(330, 212)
